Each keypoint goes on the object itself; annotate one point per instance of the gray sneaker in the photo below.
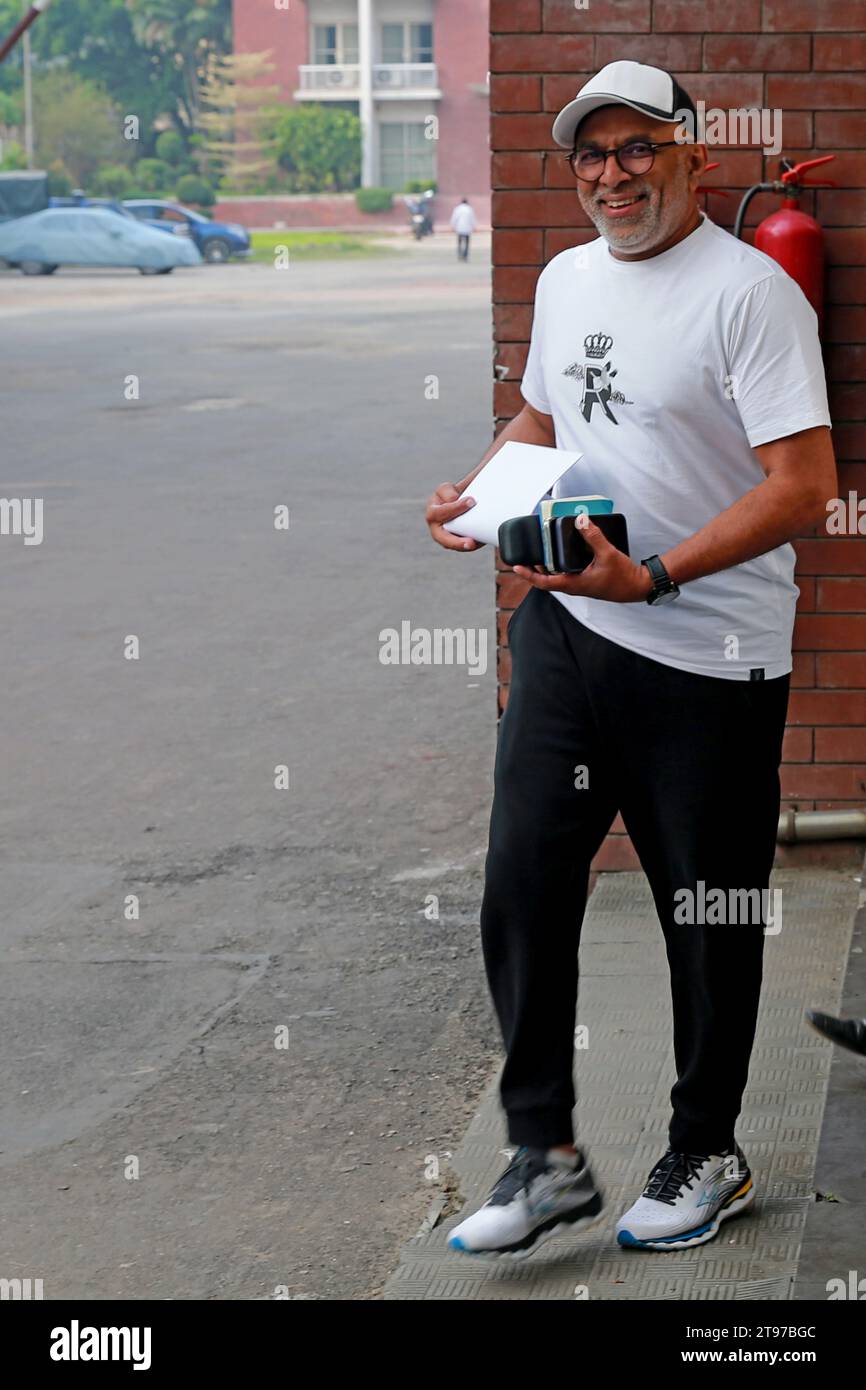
(540, 1194)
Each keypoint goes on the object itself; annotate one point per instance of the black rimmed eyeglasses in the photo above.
(634, 157)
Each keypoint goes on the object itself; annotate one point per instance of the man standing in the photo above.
(464, 222)
(686, 368)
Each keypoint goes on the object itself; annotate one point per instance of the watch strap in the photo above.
(661, 580)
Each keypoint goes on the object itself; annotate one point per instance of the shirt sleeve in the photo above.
(776, 371)
(532, 386)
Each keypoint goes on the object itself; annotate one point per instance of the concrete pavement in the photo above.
(153, 1039)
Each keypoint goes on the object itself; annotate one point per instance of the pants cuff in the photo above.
(541, 1129)
(701, 1143)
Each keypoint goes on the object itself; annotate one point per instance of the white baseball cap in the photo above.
(651, 90)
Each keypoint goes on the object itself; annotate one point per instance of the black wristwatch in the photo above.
(664, 590)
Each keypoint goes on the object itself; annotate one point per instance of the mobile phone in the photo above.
(571, 554)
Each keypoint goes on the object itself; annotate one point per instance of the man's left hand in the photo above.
(611, 575)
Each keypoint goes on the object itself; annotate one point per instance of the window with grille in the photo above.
(325, 43)
(405, 153)
(407, 43)
(350, 43)
(393, 36)
(420, 43)
(335, 43)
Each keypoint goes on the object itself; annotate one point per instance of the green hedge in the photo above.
(374, 199)
(192, 188)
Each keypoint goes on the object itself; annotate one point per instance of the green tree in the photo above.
(14, 156)
(114, 181)
(60, 184)
(11, 109)
(170, 148)
(94, 39)
(182, 37)
(76, 123)
(148, 55)
(318, 147)
(152, 176)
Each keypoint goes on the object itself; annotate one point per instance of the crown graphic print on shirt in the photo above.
(597, 380)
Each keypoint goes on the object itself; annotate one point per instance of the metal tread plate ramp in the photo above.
(624, 1076)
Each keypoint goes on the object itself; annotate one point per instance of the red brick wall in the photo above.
(809, 59)
(338, 212)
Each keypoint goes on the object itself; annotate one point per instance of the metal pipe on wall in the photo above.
(795, 826)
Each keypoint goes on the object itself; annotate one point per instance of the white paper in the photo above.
(511, 484)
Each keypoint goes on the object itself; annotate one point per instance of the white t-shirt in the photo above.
(463, 219)
(666, 373)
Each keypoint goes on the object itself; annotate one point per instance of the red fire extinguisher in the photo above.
(789, 235)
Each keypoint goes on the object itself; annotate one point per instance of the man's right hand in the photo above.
(446, 503)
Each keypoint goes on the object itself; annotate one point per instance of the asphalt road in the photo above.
(156, 1141)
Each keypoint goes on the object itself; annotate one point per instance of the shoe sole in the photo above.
(538, 1237)
(740, 1201)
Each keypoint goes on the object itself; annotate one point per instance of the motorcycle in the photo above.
(419, 212)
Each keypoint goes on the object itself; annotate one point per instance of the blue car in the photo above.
(38, 244)
(217, 241)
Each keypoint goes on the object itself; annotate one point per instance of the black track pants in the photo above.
(692, 763)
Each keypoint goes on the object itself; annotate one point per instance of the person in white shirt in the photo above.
(685, 367)
(463, 222)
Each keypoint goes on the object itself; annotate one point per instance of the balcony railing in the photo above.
(322, 77)
(399, 76)
(319, 78)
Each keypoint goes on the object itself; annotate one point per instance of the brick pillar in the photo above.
(807, 59)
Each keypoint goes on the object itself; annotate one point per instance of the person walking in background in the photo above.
(464, 222)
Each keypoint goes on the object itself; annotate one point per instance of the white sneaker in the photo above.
(686, 1198)
(541, 1193)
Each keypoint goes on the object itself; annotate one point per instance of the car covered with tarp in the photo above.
(89, 236)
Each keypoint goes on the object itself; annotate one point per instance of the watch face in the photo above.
(667, 597)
